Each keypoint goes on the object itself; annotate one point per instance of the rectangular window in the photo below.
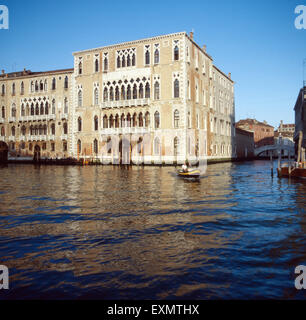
(52, 146)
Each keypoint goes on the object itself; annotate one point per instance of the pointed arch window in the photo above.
(156, 120)
(23, 130)
(134, 120)
(176, 53)
(147, 57)
(13, 131)
(3, 112)
(79, 146)
(176, 146)
(37, 109)
(46, 85)
(32, 109)
(13, 110)
(140, 120)
(80, 98)
(95, 143)
(13, 89)
(66, 83)
(128, 120)
(96, 94)
(53, 106)
(65, 128)
(156, 90)
(118, 62)
(42, 109)
(79, 124)
(117, 94)
(3, 90)
(80, 68)
(135, 91)
(128, 61)
(122, 121)
(147, 92)
(122, 93)
(97, 65)
(133, 60)
(66, 106)
(96, 123)
(105, 122)
(147, 119)
(156, 56)
(141, 91)
(111, 94)
(128, 92)
(176, 118)
(111, 121)
(22, 110)
(47, 108)
(176, 88)
(41, 85)
(53, 84)
(123, 62)
(105, 94)
(22, 88)
(105, 64)
(116, 121)
(52, 128)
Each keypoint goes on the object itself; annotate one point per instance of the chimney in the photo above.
(230, 75)
(204, 48)
(191, 35)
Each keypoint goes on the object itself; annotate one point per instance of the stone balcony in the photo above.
(2, 120)
(125, 103)
(64, 137)
(12, 138)
(126, 130)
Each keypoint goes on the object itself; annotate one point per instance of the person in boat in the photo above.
(184, 167)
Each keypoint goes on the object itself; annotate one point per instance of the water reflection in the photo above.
(109, 232)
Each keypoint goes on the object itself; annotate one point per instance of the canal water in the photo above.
(142, 233)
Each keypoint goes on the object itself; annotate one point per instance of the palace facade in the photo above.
(153, 101)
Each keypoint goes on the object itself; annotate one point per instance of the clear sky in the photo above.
(254, 40)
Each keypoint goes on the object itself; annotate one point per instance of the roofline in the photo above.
(131, 42)
(223, 74)
(201, 49)
(35, 74)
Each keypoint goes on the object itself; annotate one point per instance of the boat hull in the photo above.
(296, 172)
(189, 174)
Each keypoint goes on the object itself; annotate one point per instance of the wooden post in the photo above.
(271, 159)
(300, 146)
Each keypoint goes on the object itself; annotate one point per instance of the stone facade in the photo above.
(245, 144)
(35, 109)
(157, 100)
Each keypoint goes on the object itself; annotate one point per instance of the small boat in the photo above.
(298, 171)
(294, 169)
(190, 173)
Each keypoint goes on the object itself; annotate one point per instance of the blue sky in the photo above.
(254, 40)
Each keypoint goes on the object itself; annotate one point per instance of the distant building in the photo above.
(244, 144)
(300, 117)
(284, 136)
(263, 132)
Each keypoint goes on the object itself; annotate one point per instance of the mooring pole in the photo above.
(271, 159)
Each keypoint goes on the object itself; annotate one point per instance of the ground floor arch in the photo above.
(3, 152)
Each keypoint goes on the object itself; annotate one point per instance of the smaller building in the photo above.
(244, 144)
(284, 136)
(263, 132)
(300, 118)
